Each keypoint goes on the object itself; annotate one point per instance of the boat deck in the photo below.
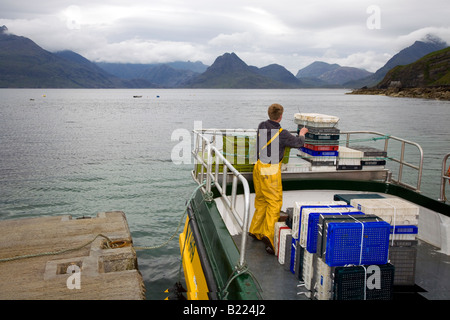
(432, 275)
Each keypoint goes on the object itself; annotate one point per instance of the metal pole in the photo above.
(443, 178)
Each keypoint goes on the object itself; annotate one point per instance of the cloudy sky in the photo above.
(293, 33)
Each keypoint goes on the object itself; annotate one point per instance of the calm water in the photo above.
(80, 152)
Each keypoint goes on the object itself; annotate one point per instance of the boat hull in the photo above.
(210, 256)
(197, 288)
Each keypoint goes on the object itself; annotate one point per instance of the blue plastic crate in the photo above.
(320, 153)
(323, 220)
(357, 243)
(316, 206)
(405, 229)
(313, 227)
(296, 261)
(293, 251)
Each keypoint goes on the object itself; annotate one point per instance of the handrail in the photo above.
(211, 178)
(401, 161)
(443, 178)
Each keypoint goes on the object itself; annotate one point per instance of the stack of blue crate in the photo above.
(344, 241)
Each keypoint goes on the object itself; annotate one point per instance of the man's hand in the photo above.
(303, 131)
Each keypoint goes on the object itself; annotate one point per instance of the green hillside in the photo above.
(430, 71)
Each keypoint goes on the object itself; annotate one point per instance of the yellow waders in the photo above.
(268, 197)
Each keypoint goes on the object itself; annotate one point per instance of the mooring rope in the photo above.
(51, 253)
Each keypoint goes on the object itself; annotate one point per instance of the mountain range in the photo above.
(25, 64)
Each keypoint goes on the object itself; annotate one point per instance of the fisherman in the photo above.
(271, 143)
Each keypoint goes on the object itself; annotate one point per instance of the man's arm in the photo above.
(289, 140)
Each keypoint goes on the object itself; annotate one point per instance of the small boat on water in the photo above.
(361, 179)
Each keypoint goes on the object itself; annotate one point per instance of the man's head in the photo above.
(275, 112)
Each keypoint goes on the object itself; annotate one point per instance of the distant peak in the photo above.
(3, 29)
(229, 61)
(430, 38)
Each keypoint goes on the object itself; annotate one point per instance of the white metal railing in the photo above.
(402, 162)
(444, 177)
(203, 171)
(399, 179)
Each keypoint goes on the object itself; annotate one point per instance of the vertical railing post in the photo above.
(208, 170)
(443, 178)
(402, 158)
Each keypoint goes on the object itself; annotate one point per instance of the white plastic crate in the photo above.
(298, 208)
(324, 281)
(349, 157)
(296, 164)
(305, 215)
(317, 160)
(315, 119)
(276, 239)
(284, 233)
(308, 269)
(392, 210)
(323, 168)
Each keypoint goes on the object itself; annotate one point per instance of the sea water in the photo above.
(84, 151)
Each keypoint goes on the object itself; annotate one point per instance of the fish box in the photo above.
(312, 227)
(276, 239)
(297, 213)
(392, 210)
(296, 264)
(403, 255)
(319, 153)
(323, 281)
(315, 136)
(373, 162)
(321, 147)
(347, 197)
(404, 232)
(371, 152)
(335, 209)
(356, 240)
(309, 260)
(285, 237)
(315, 120)
(348, 167)
(322, 130)
(349, 159)
(296, 164)
(369, 282)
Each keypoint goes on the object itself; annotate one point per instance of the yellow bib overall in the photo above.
(268, 197)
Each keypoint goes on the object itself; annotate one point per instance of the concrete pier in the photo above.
(58, 257)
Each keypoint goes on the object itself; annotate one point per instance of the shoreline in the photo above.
(436, 93)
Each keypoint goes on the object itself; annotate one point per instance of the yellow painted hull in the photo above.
(197, 288)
